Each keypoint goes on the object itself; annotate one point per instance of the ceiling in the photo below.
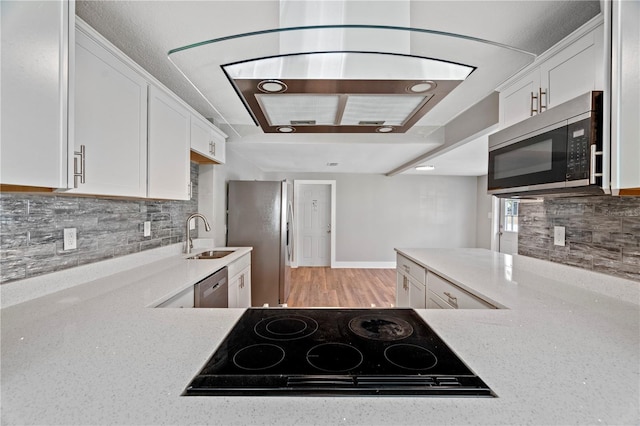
(499, 38)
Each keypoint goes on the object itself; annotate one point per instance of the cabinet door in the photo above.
(434, 302)
(206, 140)
(234, 290)
(244, 293)
(36, 51)
(625, 129)
(417, 294)
(402, 291)
(516, 102)
(110, 122)
(169, 124)
(573, 71)
(201, 141)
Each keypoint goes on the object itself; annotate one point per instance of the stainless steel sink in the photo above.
(211, 254)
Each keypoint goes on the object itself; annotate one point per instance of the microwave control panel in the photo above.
(579, 140)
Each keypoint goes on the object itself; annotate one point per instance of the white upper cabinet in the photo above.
(110, 122)
(169, 134)
(517, 101)
(37, 69)
(625, 99)
(574, 71)
(207, 140)
(574, 67)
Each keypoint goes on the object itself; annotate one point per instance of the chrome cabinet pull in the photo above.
(533, 110)
(546, 100)
(79, 171)
(592, 165)
(452, 299)
(212, 148)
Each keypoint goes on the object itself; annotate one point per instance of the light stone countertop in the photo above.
(97, 354)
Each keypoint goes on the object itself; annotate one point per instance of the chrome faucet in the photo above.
(188, 244)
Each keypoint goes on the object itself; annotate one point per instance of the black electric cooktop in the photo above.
(305, 352)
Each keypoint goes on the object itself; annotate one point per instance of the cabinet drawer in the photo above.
(454, 295)
(234, 268)
(411, 268)
(434, 302)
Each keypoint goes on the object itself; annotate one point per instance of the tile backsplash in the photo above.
(31, 229)
(602, 233)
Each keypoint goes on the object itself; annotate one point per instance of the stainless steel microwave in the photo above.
(556, 152)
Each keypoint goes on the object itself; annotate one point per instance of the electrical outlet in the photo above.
(192, 224)
(70, 241)
(558, 235)
(147, 229)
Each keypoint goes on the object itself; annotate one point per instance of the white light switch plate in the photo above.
(192, 224)
(558, 235)
(147, 229)
(70, 241)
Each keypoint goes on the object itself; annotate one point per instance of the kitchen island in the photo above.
(564, 350)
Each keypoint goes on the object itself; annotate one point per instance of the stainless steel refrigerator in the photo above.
(260, 215)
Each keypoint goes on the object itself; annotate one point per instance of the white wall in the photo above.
(376, 213)
(484, 207)
(212, 191)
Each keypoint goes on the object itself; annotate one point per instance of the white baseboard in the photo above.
(365, 265)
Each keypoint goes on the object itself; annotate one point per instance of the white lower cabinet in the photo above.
(444, 294)
(240, 282)
(410, 284)
(434, 302)
(169, 127)
(184, 299)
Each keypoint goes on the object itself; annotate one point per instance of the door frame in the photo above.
(296, 196)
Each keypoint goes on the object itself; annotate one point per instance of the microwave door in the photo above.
(538, 161)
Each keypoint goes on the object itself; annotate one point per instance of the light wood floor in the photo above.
(347, 288)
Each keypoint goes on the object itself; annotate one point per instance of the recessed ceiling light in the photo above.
(272, 86)
(286, 129)
(426, 167)
(422, 87)
(384, 129)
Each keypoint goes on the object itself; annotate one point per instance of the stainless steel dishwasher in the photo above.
(213, 291)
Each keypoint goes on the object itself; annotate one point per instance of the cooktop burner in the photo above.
(287, 351)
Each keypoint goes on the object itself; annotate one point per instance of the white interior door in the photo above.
(314, 224)
(508, 235)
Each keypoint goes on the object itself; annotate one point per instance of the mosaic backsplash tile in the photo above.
(31, 229)
(602, 233)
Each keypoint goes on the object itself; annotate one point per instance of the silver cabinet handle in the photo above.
(540, 93)
(79, 171)
(452, 299)
(592, 165)
(533, 110)
(212, 148)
